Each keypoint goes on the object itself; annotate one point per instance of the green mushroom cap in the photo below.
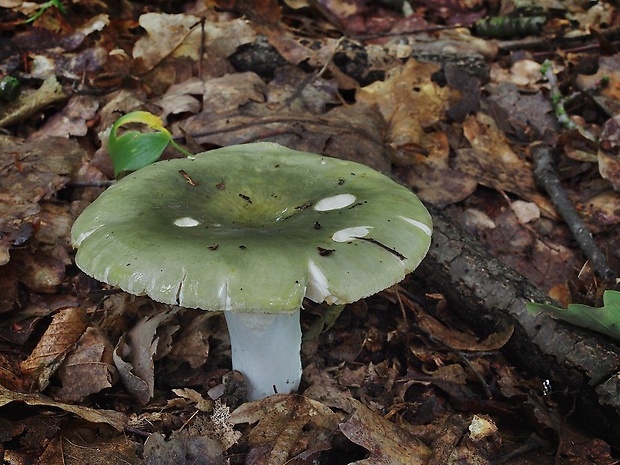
(253, 228)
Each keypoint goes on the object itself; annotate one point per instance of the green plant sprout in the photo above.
(604, 320)
(134, 150)
(44, 7)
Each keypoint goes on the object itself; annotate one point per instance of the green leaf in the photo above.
(605, 320)
(134, 150)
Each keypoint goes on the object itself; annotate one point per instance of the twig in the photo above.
(547, 178)
(558, 101)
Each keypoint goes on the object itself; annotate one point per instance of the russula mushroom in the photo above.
(252, 230)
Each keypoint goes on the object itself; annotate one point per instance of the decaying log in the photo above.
(491, 296)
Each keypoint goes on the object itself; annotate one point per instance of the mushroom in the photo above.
(252, 230)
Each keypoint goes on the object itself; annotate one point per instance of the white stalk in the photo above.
(266, 348)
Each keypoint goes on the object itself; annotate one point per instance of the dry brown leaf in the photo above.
(37, 270)
(31, 102)
(72, 448)
(459, 340)
(202, 404)
(165, 32)
(295, 50)
(607, 96)
(493, 163)
(180, 98)
(182, 449)
(350, 133)
(31, 171)
(88, 369)
(324, 389)
(66, 328)
(135, 352)
(388, 444)
(431, 175)
(71, 120)
(480, 445)
(265, 13)
(601, 211)
(410, 103)
(608, 154)
(192, 343)
(524, 115)
(115, 419)
(179, 37)
(288, 425)
(54, 231)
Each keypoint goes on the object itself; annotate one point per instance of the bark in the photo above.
(490, 295)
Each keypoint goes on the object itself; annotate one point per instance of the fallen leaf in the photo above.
(192, 343)
(180, 98)
(38, 271)
(28, 103)
(73, 448)
(165, 32)
(288, 425)
(323, 388)
(608, 95)
(601, 211)
(525, 114)
(410, 102)
(457, 339)
(72, 120)
(493, 163)
(387, 443)
(429, 171)
(135, 352)
(480, 446)
(66, 328)
(202, 404)
(31, 171)
(88, 369)
(608, 154)
(347, 132)
(115, 419)
(605, 319)
(182, 449)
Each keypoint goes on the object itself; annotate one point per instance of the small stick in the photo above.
(547, 178)
(558, 101)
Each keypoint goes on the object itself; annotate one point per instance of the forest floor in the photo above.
(447, 101)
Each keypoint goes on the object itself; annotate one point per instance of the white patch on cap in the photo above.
(224, 296)
(317, 289)
(348, 234)
(335, 202)
(186, 222)
(84, 235)
(418, 224)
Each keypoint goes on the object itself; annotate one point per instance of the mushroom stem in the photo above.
(266, 348)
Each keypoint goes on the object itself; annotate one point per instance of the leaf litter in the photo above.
(390, 381)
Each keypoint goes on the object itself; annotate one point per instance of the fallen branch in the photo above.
(547, 178)
(581, 363)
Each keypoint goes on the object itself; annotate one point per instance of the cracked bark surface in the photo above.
(491, 296)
